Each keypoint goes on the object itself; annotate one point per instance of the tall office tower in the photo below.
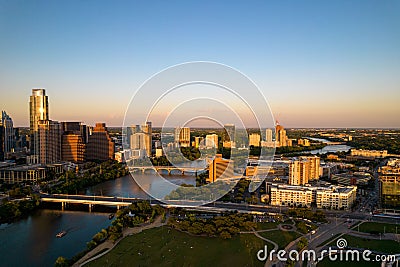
(9, 133)
(2, 154)
(299, 172)
(38, 110)
(49, 137)
(100, 146)
(254, 139)
(147, 130)
(74, 138)
(220, 169)
(182, 136)
(212, 141)
(268, 135)
(281, 137)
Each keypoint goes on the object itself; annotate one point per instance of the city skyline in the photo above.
(320, 65)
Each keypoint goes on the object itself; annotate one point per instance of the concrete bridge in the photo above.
(169, 169)
(87, 200)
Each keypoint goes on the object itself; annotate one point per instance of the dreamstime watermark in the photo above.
(195, 93)
(340, 253)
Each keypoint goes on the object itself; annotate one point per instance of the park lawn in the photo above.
(373, 227)
(267, 225)
(326, 262)
(282, 238)
(384, 246)
(164, 246)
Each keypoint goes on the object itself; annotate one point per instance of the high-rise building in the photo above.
(389, 184)
(9, 133)
(2, 152)
(74, 139)
(212, 141)
(182, 136)
(299, 172)
(220, 169)
(315, 167)
(147, 130)
(304, 169)
(100, 146)
(138, 141)
(73, 147)
(268, 135)
(281, 137)
(49, 140)
(38, 111)
(254, 139)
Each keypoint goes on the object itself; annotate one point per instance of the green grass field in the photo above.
(267, 225)
(372, 227)
(384, 246)
(282, 238)
(328, 263)
(167, 247)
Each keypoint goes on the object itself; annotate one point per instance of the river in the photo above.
(32, 241)
(328, 148)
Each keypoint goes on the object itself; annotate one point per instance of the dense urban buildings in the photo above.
(182, 136)
(38, 111)
(220, 168)
(100, 146)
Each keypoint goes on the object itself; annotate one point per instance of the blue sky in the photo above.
(319, 63)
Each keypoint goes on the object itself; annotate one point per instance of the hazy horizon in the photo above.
(319, 64)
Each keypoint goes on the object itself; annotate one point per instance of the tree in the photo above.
(61, 262)
(225, 235)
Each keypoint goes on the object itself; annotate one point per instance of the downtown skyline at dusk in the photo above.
(318, 64)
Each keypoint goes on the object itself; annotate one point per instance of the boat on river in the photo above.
(61, 234)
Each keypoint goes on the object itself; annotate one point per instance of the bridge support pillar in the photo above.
(183, 172)
(118, 207)
(62, 206)
(90, 207)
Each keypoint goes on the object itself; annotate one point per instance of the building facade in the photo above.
(304, 169)
(389, 184)
(332, 197)
(212, 140)
(254, 139)
(38, 111)
(148, 131)
(100, 146)
(182, 136)
(49, 136)
(220, 168)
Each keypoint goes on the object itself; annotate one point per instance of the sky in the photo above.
(318, 63)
